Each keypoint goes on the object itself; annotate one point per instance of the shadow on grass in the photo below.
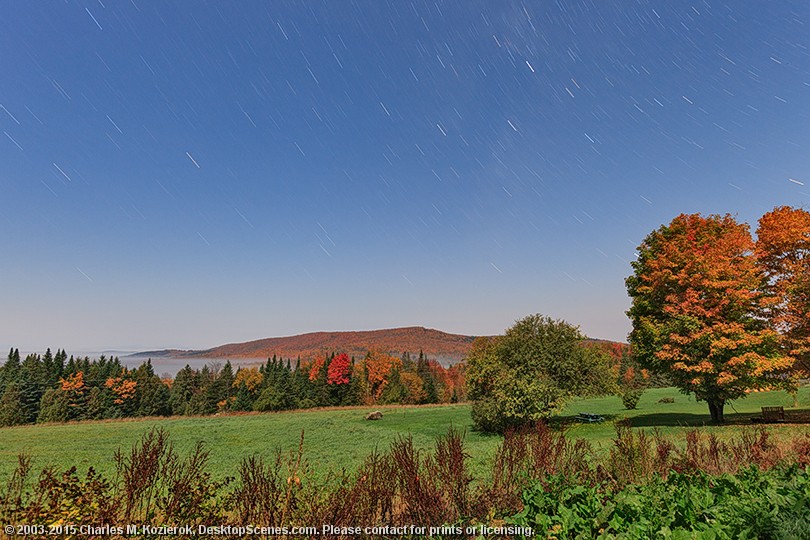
(681, 419)
(792, 416)
(573, 419)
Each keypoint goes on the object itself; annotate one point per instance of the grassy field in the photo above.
(342, 438)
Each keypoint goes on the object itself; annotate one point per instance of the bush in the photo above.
(531, 371)
(750, 504)
(630, 398)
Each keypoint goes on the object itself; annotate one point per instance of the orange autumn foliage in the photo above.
(783, 251)
(697, 295)
(378, 366)
(122, 389)
(74, 383)
(316, 367)
(454, 381)
(74, 387)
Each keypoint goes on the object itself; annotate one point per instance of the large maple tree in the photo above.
(697, 304)
(783, 251)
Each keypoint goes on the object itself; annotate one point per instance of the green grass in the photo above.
(333, 438)
(684, 413)
(342, 438)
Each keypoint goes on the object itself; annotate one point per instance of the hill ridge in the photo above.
(443, 346)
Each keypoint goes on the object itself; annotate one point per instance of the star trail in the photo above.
(185, 174)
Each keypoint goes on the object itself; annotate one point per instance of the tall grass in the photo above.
(400, 486)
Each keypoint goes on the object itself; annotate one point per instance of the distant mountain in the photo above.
(444, 347)
(441, 346)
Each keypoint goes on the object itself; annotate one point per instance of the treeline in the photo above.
(327, 381)
(55, 388)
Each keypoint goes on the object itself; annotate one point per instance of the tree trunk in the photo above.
(716, 410)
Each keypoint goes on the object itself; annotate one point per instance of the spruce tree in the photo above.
(183, 388)
(243, 399)
(54, 407)
(423, 370)
(10, 371)
(225, 384)
(394, 391)
(11, 407)
(99, 404)
(152, 395)
(32, 383)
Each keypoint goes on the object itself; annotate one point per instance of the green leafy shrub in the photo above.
(751, 504)
(531, 371)
(630, 398)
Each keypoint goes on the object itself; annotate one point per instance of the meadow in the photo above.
(341, 438)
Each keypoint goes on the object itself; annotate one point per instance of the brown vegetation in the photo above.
(447, 348)
(402, 486)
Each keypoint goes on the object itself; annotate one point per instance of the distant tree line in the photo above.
(55, 388)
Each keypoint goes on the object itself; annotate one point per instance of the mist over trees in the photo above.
(55, 388)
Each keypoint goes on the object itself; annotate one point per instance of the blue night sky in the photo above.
(187, 174)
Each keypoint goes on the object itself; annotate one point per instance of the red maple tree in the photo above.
(339, 369)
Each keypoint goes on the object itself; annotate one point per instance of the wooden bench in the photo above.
(773, 414)
(588, 417)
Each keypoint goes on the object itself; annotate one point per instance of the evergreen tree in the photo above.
(407, 362)
(356, 391)
(99, 404)
(152, 395)
(224, 384)
(300, 388)
(11, 407)
(278, 391)
(9, 372)
(49, 368)
(32, 383)
(423, 370)
(243, 399)
(54, 407)
(53, 366)
(205, 400)
(183, 388)
(70, 367)
(59, 363)
(321, 393)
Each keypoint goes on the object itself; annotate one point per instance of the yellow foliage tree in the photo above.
(251, 377)
(414, 386)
